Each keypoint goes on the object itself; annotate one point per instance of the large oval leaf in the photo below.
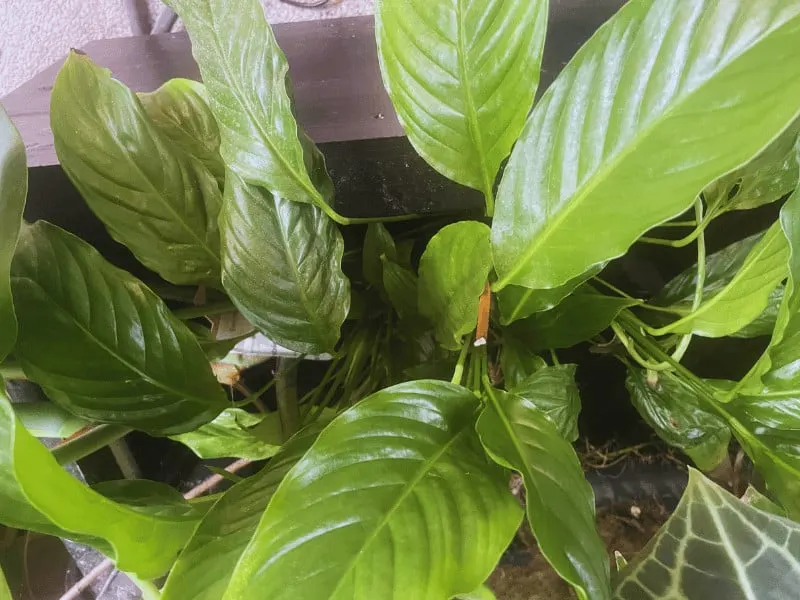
(740, 279)
(180, 109)
(246, 75)
(281, 265)
(205, 566)
(102, 344)
(715, 546)
(452, 276)
(159, 201)
(462, 75)
(13, 191)
(665, 97)
(399, 488)
(553, 391)
(559, 500)
(37, 494)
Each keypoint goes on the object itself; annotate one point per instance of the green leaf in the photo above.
(517, 302)
(740, 279)
(715, 546)
(517, 360)
(452, 274)
(180, 109)
(678, 417)
(101, 344)
(281, 266)
(38, 495)
(554, 392)
(5, 593)
(766, 178)
(462, 75)
(399, 486)
(579, 317)
(215, 349)
(205, 566)
(402, 288)
(157, 200)
(482, 593)
(377, 243)
(13, 191)
(560, 503)
(48, 420)
(764, 324)
(236, 433)
(245, 73)
(755, 498)
(652, 108)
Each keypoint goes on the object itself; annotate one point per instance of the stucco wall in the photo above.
(36, 33)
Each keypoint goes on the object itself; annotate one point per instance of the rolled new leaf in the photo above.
(152, 196)
(13, 192)
(462, 75)
(101, 344)
(281, 266)
(38, 495)
(395, 494)
(649, 111)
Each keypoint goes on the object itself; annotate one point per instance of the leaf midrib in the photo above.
(602, 174)
(423, 470)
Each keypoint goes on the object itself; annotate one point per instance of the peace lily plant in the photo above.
(390, 480)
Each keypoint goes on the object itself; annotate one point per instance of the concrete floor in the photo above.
(36, 33)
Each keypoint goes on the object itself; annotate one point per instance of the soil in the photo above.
(524, 574)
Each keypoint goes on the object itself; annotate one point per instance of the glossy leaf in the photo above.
(236, 433)
(740, 280)
(462, 75)
(402, 288)
(715, 546)
(378, 242)
(399, 486)
(764, 323)
(452, 274)
(554, 392)
(101, 344)
(679, 417)
(245, 73)
(13, 192)
(579, 317)
(153, 197)
(48, 420)
(758, 500)
(180, 109)
(517, 360)
(281, 266)
(38, 495)
(664, 98)
(560, 503)
(204, 568)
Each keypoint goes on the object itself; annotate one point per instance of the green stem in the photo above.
(12, 370)
(633, 352)
(679, 224)
(613, 288)
(148, 588)
(488, 193)
(684, 241)
(193, 312)
(286, 393)
(88, 443)
(458, 373)
(554, 357)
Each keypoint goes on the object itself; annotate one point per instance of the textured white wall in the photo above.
(36, 33)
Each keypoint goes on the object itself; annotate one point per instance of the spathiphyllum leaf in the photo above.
(482, 593)
(452, 275)
(764, 323)
(679, 417)
(560, 503)
(738, 285)
(462, 75)
(245, 73)
(715, 546)
(13, 191)
(48, 420)
(665, 97)
(180, 109)
(395, 494)
(281, 265)
(5, 593)
(38, 495)
(205, 566)
(236, 433)
(101, 344)
(402, 288)
(152, 196)
(378, 242)
(517, 360)
(579, 317)
(554, 392)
